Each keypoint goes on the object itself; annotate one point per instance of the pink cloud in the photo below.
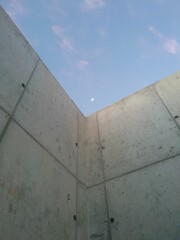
(170, 45)
(92, 4)
(15, 8)
(58, 30)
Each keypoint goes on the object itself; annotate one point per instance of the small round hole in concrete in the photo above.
(23, 85)
(176, 116)
(74, 217)
(112, 220)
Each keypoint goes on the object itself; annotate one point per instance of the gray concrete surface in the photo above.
(98, 221)
(169, 91)
(17, 62)
(145, 204)
(37, 195)
(82, 213)
(135, 132)
(93, 152)
(112, 175)
(4, 117)
(49, 115)
(82, 144)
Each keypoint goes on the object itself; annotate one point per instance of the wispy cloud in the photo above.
(54, 9)
(82, 64)
(16, 8)
(156, 33)
(58, 30)
(102, 33)
(65, 42)
(170, 45)
(92, 4)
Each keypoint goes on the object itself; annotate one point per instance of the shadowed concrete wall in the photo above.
(112, 175)
(42, 192)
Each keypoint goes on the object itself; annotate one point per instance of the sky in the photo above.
(101, 51)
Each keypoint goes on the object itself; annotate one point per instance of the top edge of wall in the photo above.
(135, 93)
(3, 11)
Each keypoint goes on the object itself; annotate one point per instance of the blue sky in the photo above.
(102, 50)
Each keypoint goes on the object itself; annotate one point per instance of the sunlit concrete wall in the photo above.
(42, 191)
(113, 175)
(136, 194)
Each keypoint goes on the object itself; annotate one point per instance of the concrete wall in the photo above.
(139, 140)
(42, 192)
(112, 175)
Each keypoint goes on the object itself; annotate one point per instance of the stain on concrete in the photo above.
(15, 192)
(68, 197)
(97, 236)
(23, 85)
(12, 209)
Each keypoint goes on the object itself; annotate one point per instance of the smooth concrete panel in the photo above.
(82, 144)
(97, 213)
(37, 195)
(49, 115)
(146, 204)
(135, 132)
(3, 120)
(82, 214)
(93, 152)
(17, 60)
(169, 91)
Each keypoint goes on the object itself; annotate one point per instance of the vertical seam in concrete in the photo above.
(17, 104)
(104, 183)
(77, 173)
(166, 107)
(88, 212)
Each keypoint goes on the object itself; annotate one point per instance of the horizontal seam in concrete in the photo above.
(49, 153)
(178, 126)
(132, 171)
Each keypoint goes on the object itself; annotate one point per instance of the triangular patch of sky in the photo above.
(100, 50)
